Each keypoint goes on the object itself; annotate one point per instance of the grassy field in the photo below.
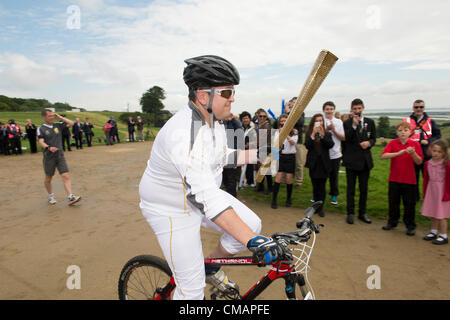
(98, 118)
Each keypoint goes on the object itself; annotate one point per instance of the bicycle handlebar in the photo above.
(306, 226)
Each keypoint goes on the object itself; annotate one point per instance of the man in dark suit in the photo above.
(77, 131)
(66, 135)
(87, 128)
(4, 140)
(231, 173)
(360, 136)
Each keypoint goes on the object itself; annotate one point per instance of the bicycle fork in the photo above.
(290, 281)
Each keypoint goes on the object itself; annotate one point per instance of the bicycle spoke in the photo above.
(141, 283)
(135, 288)
(154, 282)
(147, 276)
(136, 276)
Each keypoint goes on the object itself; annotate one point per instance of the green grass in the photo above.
(377, 202)
(98, 118)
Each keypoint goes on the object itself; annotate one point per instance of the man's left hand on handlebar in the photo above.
(265, 249)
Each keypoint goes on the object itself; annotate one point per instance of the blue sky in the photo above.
(390, 52)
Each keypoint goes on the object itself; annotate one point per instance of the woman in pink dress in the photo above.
(436, 192)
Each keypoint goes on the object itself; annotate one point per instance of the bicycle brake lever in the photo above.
(317, 227)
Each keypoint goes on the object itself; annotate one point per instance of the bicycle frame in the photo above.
(278, 270)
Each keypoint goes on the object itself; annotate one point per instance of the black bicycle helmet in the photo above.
(209, 71)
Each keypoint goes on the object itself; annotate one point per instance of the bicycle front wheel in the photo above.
(146, 278)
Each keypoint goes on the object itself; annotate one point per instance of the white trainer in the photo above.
(221, 282)
(73, 199)
(51, 199)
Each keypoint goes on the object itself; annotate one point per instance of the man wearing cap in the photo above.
(180, 189)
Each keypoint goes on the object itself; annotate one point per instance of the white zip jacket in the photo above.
(184, 172)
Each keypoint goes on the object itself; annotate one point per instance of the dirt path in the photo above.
(38, 242)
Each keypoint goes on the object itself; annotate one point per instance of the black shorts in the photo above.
(54, 160)
(287, 163)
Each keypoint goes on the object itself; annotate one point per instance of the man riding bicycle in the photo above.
(180, 188)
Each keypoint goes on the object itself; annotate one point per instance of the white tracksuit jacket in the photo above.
(184, 172)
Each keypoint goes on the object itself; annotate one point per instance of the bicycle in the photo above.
(149, 277)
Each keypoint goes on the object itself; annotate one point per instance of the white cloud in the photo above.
(146, 46)
(430, 65)
(20, 73)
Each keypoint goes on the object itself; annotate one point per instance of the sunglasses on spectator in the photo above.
(261, 116)
(419, 107)
(224, 93)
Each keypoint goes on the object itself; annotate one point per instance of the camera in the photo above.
(358, 114)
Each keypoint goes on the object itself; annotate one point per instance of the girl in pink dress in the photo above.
(436, 192)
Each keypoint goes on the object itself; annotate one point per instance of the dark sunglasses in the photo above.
(263, 116)
(419, 107)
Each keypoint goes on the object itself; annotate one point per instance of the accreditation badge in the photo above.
(56, 130)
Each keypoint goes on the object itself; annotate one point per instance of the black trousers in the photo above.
(363, 180)
(249, 174)
(319, 190)
(89, 138)
(33, 146)
(16, 145)
(334, 177)
(406, 193)
(66, 139)
(260, 186)
(131, 135)
(5, 146)
(78, 141)
(229, 179)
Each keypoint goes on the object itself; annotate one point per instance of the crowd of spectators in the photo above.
(332, 140)
(11, 135)
(79, 135)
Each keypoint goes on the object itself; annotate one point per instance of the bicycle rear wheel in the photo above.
(145, 277)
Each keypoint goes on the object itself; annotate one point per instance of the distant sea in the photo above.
(437, 113)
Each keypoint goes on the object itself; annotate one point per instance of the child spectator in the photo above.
(140, 128)
(318, 141)
(286, 162)
(107, 130)
(336, 127)
(436, 192)
(131, 124)
(404, 153)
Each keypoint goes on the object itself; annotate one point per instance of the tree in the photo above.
(151, 100)
(383, 129)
